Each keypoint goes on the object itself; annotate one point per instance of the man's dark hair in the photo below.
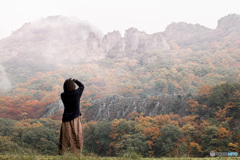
(69, 85)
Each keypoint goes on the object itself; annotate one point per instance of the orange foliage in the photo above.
(193, 144)
(152, 133)
(205, 90)
(144, 122)
(150, 144)
(223, 132)
(193, 105)
(114, 134)
(132, 115)
(234, 146)
(221, 113)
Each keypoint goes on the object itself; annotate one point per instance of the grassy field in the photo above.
(77, 157)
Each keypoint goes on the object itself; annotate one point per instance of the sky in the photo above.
(108, 15)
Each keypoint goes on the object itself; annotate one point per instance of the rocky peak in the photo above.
(140, 41)
(110, 40)
(132, 43)
(94, 50)
(132, 38)
(183, 31)
(229, 23)
(156, 42)
(93, 41)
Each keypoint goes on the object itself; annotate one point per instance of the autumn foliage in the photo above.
(210, 124)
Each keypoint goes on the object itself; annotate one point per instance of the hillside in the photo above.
(37, 58)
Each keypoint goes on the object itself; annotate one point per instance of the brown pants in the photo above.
(71, 136)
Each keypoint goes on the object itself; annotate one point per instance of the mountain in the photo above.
(50, 43)
(62, 38)
(229, 23)
(139, 87)
(192, 35)
(185, 34)
(39, 56)
(55, 37)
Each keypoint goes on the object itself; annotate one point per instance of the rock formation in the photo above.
(185, 34)
(229, 23)
(116, 107)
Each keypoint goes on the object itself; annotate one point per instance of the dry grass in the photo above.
(93, 157)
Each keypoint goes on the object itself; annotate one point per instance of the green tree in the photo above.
(209, 140)
(42, 139)
(159, 86)
(90, 139)
(165, 143)
(135, 143)
(177, 104)
(6, 127)
(8, 146)
(101, 136)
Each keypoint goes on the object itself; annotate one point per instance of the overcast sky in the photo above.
(108, 15)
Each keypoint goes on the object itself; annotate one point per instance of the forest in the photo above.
(211, 123)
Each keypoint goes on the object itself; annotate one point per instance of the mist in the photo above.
(4, 81)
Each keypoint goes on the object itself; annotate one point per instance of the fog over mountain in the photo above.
(4, 81)
(56, 41)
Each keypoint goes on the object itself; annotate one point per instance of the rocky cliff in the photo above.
(116, 107)
(187, 35)
(65, 40)
(69, 41)
(229, 23)
(184, 33)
